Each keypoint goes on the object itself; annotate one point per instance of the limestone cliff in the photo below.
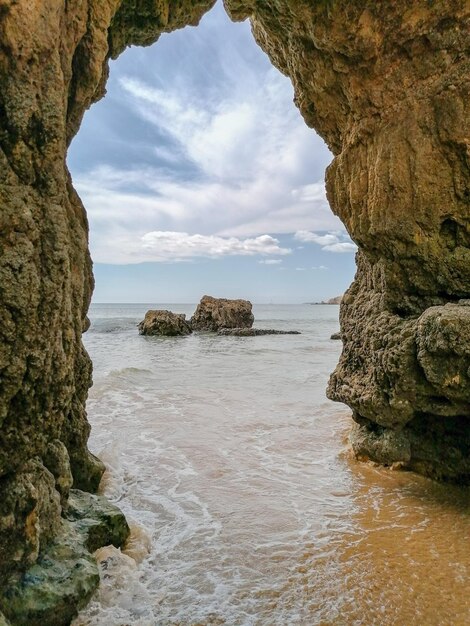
(387, 86)
(53, 66)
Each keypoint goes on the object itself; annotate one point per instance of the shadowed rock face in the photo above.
(386, 84)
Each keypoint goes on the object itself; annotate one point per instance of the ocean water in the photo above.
(245, 503)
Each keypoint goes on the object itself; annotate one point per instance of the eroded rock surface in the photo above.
(66, 575)
(53, 66)
(212, 314)
(164, 323)
(386, 84)
(30, 516)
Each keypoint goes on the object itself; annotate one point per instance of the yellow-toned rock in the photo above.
(386, 84)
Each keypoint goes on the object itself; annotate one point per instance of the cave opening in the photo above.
(395, 115)
(198, 166)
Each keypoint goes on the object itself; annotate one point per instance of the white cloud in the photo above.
(253, 153)
(183, 245)
(310, 192)
(321, 240)
(344, 246)
(320, 267)
(336, 241)
(171, 156)
(149, 199)
(238, 160)
(239, 135)
(270, 261)
(300, 269)
(166, 246)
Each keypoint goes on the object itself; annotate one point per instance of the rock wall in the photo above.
(53, 66)
(387, 86)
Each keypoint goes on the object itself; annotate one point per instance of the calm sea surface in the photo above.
(245, 505)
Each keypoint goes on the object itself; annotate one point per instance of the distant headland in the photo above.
(335, 300)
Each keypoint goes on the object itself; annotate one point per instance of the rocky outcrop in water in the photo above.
(336, 336)
(254, 332)
(164, 323)
(212, 314)
(387, 86)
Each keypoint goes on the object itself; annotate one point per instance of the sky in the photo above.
(199, 176)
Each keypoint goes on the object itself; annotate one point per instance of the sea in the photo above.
(246, 505)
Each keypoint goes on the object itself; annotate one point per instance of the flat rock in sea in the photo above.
(164, 323)
(254, 332)
(212, 314)
(336, 336)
